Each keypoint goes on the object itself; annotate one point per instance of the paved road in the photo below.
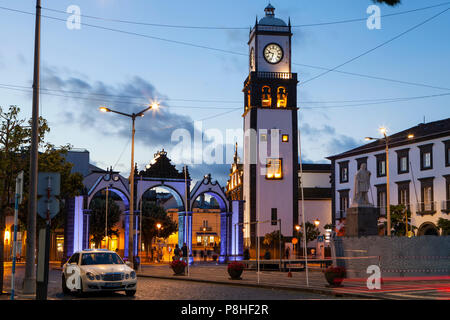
(160, 289)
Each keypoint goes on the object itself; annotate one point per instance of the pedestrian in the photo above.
(184, 250)
(176, 253)
(288, 252)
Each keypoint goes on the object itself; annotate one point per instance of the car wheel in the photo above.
(130, 293)
(65, 290)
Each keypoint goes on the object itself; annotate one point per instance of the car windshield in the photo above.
(100, 258)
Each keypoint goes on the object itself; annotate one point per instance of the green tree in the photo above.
(399, 214)
(15, 135)
(444, 224)
(151, 216)
(312, 232)
(272, 240)
(97, 219)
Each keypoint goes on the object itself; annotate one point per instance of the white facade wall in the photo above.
(415, 173)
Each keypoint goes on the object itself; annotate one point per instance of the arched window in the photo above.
(266, 97)
(281, 97)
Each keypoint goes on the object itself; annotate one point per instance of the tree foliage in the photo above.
(444, 224)
(151, 216)
(312, 232)
(97, 219)
(398, 220)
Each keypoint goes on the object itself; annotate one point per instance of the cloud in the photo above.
(331, 141)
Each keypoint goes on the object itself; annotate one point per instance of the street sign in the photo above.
(46, 180)
(294, 240)
(320, 239)
(19, 186)
(48, 189)
(51, 205)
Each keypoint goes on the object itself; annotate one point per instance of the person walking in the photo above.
(184, 250)
(176, 253)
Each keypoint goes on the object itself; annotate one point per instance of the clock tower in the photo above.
(271, 132)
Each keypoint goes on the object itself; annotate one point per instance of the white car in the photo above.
(98, 270)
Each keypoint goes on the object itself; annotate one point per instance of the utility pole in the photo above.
(29, 282)
(131, 215)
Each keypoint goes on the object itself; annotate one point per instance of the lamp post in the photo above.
(297, 227)
(158, 226)
(388, 197)
(133, 117)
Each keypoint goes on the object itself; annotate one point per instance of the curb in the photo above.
(266, 286)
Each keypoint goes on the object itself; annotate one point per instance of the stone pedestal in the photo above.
(361, 221)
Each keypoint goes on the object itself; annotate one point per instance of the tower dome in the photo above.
(269, 19)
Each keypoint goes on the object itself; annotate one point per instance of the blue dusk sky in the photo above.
(83, 69)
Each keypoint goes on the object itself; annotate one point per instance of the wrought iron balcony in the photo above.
(424, 208)
(274, 75)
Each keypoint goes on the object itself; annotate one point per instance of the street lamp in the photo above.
(316, 222)
(388, 206)
(133, 117)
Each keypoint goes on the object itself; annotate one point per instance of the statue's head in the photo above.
(363, 166)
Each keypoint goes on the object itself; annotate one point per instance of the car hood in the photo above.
(106, 268)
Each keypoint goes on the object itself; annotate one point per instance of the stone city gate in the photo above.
(161, 173)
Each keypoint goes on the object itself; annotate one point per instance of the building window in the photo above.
(281, 97)
(381, 198)
(403, 193)
(426, 157)
(263, 137)
(447, 153)
(285, 138)
(403, 161)
(343, 203)
(381, 165)
(343, 172)
(274, 217)
(266, 97)
(427, 192)
(360, 161)
(274, 169)
(446, 204)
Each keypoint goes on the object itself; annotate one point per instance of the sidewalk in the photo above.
(391, 289)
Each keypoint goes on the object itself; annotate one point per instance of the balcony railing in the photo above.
(424, 208)
(205, 229)
(274, 75)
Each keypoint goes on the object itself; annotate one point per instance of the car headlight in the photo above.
(127, 276)
(133, 275)
(90, 275)
(98, 277)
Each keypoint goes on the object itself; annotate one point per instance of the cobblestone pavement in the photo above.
(161, 289)
(399, 288)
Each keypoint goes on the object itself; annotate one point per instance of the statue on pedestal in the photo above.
(362, 186)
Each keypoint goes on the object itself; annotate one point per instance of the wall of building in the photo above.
(316, 179)
(415, 173)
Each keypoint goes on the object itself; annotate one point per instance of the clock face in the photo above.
(273, 53)
(252, 58)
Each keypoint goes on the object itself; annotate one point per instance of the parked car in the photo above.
(98, 270)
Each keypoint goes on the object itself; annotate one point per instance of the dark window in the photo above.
(343, 172)
(446, 204)
(274, 217)
(447, 153)
(403, 193)
(360, 161)
(426, 157)
(427, 194)
(403, 161)
(381, 198)
(100, 258)
(381, 165)
(343, 203)
(74, 258)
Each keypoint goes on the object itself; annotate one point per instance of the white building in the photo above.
(419, 174)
